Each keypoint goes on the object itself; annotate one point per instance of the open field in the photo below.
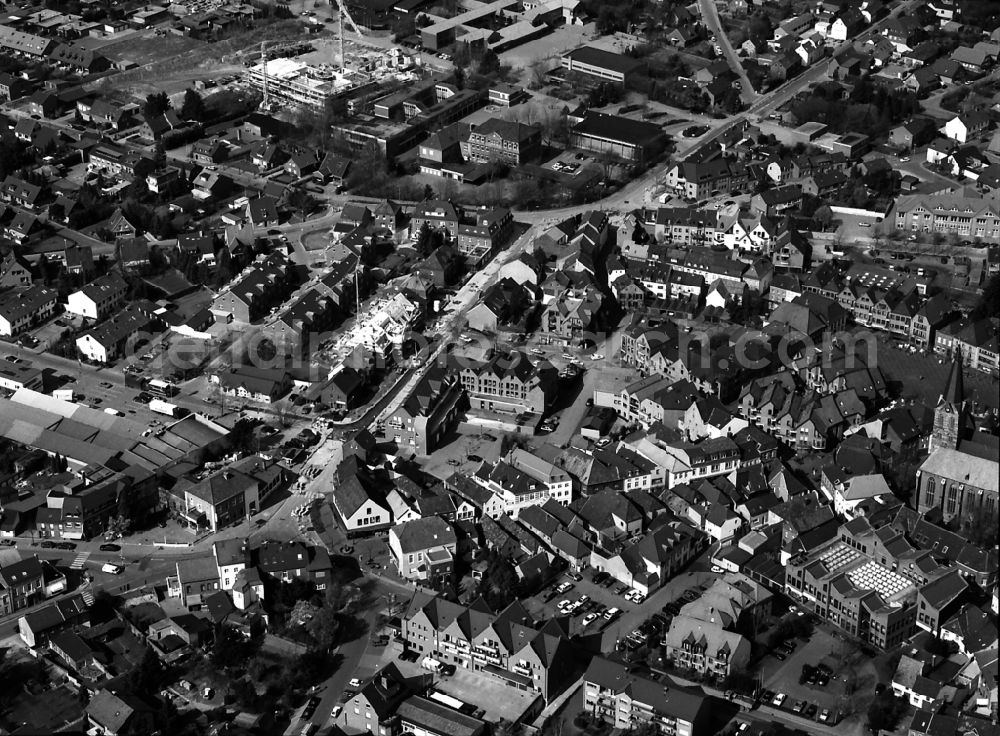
(147, 48)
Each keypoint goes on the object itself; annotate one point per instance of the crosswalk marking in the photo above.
(79, 561)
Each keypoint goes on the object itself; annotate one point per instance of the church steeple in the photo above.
(949, 414)
(954, 389)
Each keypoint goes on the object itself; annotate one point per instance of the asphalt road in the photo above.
(710, 16)
(465, 298)
(336, 685)
(150, 566)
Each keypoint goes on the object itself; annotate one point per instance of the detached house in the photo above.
(99, 298)
(155, 127)
(358, 500)
(111, 713)
(705, 646)
(19, 192)
(847, 25)
(967, 125)
(424, 549)
(261, 385)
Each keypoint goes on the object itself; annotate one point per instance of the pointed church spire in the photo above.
(954, 389)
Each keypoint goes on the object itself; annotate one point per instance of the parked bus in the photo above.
(161, 388)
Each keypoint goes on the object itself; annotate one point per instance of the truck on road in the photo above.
(429, 663)
(165, 407)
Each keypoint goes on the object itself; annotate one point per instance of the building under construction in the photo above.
(286, 81)
(292, 82)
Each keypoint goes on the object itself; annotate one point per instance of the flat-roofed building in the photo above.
(631, 140)
(424, 717)
(599, 63)
(841, 582)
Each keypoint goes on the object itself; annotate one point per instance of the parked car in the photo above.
(824, 715)
(589, 619)
(779, 698)
(311, 705)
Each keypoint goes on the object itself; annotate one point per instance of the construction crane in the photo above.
(263, 70)
(341, 15)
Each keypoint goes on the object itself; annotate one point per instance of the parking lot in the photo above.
(782, 677)
(463, 450)
(647, 615)
(569, 163)
(498, 700)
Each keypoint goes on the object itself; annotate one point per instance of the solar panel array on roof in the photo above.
(838, 556)
(885, 582)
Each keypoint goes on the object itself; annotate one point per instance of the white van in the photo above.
(112, 569)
